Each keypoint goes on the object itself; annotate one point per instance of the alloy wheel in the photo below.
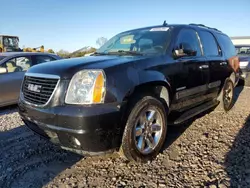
(148, 130)
(228, 95)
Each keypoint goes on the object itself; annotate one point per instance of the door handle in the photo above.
(203, 66)
(223, 63)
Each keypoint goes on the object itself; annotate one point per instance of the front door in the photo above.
(192, 81)
(10, 82)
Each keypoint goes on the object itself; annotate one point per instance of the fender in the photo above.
(152, 78)
(122, 84)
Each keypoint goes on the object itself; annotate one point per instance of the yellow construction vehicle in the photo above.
(9, 43)
(34, 49)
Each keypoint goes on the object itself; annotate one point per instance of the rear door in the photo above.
(191, 83)
(10, 82)
(217, 62)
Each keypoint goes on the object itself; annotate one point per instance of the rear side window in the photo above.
(209, 44)
(227, 45)
(43, 59)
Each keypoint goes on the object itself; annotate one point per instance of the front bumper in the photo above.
(91, 128)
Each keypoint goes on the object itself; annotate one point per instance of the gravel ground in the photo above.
(212, 150)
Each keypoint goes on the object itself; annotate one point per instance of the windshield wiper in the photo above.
(126, 52)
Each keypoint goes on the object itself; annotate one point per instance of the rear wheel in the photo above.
(226, 96)
(145, 130)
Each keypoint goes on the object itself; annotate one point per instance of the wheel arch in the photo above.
(158, 88)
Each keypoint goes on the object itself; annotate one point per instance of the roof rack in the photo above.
(201, 25)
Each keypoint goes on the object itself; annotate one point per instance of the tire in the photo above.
(139, 113)
(226, 96)
(241, 82)
(237, 80)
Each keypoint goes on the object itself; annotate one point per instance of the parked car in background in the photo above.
(127, 93)
(13, 66)
(243, 52)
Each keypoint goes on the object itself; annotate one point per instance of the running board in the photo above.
(195, 111)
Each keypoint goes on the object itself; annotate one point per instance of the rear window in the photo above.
(227, 45)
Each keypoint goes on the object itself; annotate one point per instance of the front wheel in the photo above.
(145, 130)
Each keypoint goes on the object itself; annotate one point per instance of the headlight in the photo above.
(86, 87)
(243, 63)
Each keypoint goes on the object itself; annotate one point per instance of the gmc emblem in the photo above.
(35, 88)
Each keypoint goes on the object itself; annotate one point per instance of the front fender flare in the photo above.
(152, 78)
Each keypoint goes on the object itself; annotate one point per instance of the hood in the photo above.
(66, 68)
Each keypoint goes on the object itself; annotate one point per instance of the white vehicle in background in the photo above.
(243, 52)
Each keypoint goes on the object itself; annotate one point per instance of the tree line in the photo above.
(65, 54)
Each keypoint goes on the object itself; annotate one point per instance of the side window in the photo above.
(43, 59)
(209, 44)
(188, 39)
(24, 63)
(18, 64)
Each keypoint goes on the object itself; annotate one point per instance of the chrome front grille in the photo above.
(38, 90)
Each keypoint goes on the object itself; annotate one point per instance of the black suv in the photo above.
(127, 93)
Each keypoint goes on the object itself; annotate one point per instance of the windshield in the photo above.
(243, 50)
(143, 41)
(11, 42)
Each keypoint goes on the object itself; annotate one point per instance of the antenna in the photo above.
(164, 23)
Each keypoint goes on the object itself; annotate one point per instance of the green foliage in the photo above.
(51, 51)
(63, 54)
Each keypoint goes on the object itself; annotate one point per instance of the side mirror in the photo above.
(179, 53)
(3, 70)
(183, 50)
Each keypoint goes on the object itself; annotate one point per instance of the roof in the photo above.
(240, 37)
(200, 26)
(25, 53)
